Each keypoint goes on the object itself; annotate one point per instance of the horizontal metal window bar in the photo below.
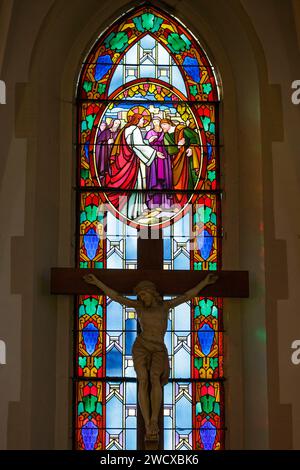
(211, 67)
(141, 102)
(180, 238)
(102, 189)
(106, 144)
(123, 379)
(129, 428)
(117, 238)
(134, 331)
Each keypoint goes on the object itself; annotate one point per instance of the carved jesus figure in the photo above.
(150, 355)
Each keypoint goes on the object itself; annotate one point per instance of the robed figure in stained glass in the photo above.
(183, 145)
(106, 136)
(159, 173)
(129, 158)
(102, 150)
(149, 352)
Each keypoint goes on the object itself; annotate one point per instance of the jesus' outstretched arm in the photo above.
(188, 295)
(114, 295)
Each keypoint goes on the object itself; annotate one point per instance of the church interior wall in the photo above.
(40, 59)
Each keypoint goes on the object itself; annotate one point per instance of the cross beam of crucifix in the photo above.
(150, 267)
(70, 281)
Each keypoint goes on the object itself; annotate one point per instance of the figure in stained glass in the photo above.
(113, 131)
(159, 173)
(149, 352)
(102, 150)
(129, 157)
(182, 143)
(107, 134)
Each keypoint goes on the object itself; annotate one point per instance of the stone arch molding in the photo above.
(61, 45)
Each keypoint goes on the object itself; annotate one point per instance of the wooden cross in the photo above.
(149, 267)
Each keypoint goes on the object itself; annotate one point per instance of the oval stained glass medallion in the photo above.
(148, 139)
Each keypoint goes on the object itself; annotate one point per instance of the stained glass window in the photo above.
(148, 156)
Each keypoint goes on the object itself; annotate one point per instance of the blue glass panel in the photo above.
(131, 422)
(177, 80)
(90, 337)
(164, 78)
(148, 42)
(114, 261)
(103, 65)
(168, 393)
(131, 56)
(208, 434)
(168, 433)
(89, 434)
(114, 414)
(91, 242)
(114, 447)
(147, 70)
(131, 248)
(167, 249)
(209, 151)
(114, 363)
(131, 393)
(164, 57)
(182, 226)
(206, 338)
(129, 371)
(129, 78)
(130, 439)
(184, 448)
(183, 409)
(181, 262)
(117, 79)
(167, 231)
(86, 149)
(205, 243)
(191, 66)
(182, 364)
(131, 231)
(182, 318)
(114, 226)
(130, 335)
(114, 318)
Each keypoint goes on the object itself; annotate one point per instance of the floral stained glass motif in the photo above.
(147, 140)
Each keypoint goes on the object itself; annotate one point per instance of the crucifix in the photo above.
(168, 283)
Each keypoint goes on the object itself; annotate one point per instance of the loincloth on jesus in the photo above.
(152, 356)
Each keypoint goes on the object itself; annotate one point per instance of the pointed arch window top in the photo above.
(147, 40)
(147, 58)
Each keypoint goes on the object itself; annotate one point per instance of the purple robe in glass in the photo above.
(102, 153)
(159, 173)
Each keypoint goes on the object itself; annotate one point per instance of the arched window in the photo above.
(148, 111)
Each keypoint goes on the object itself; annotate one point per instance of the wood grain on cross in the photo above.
(149, 267)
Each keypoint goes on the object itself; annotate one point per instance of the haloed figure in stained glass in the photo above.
(150, 356)
(129, 158)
